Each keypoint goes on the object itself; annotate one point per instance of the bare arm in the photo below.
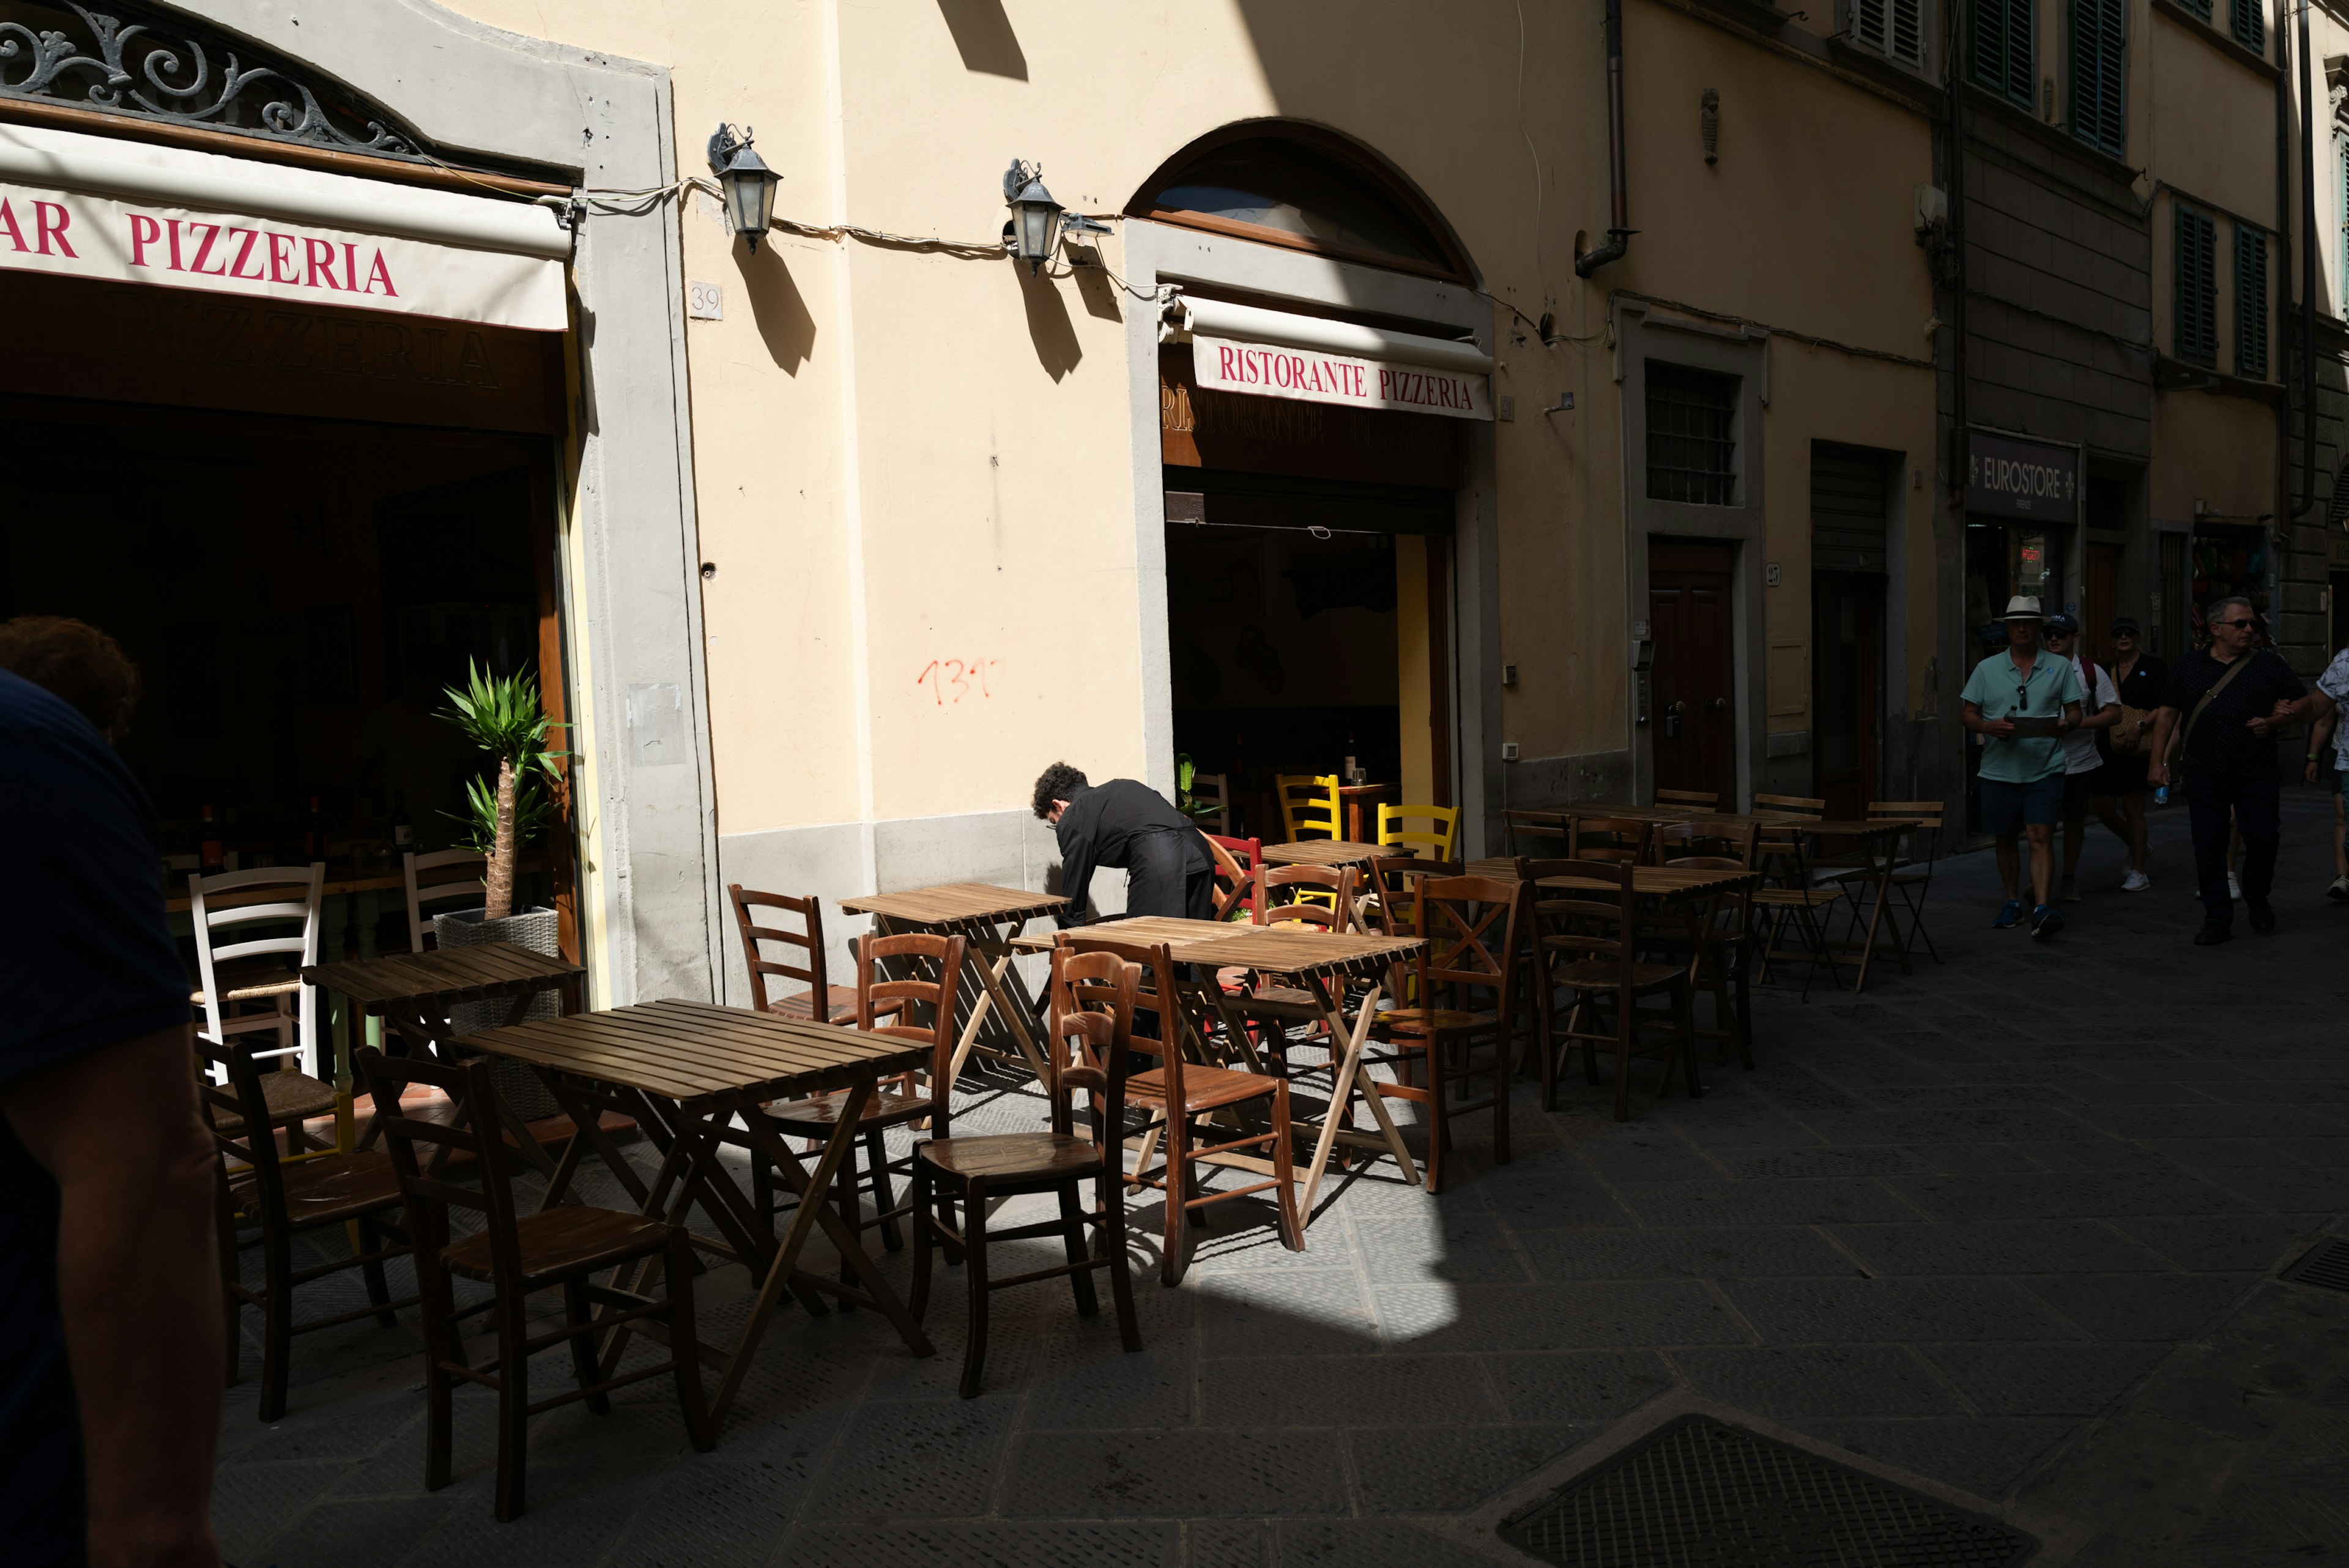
(139, 1284)
(2309, 706)
(1971, 717)
(2165, 721)
(2318, 738)
(2103, 717)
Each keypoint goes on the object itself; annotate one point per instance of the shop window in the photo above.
(1691, 435)
(1303, 188)
(2099, 68)
(1998, 48)
(2251, 302)
(1893, 28)
(2249, 25)
(2196, 266)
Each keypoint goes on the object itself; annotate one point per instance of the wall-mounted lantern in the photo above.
(1035, 225)
(749, 183)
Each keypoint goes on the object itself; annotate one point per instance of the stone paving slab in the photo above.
(2004, 1225)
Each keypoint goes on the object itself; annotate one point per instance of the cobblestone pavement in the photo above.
(2001, 1226)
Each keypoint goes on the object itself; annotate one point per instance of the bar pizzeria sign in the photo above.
(1316, 376)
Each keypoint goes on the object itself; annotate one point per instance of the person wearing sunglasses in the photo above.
(2224, 706)
(2138, 675)
(2023, 701)
(2083, 751)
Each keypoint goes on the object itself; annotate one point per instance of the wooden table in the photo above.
(685, 1070)
(1333, 853)
(413, 992)
(1314, 959)
(987, 917)
(1355, 798)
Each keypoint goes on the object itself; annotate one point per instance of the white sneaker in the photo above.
(2234, 887)
(2135, 882)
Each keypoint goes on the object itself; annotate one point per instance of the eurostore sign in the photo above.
(2029, 481)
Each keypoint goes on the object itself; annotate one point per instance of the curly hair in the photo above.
(77, 662)
(1059, 782)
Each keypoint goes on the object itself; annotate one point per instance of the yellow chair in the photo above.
(1394, 829)
(1308, 805)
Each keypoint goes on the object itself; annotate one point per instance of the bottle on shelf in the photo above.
(403, 826)
(313, 833)
(210, 852)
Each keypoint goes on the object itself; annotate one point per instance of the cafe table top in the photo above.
(699, 1051)
(451, 974)
(1236, 944)
(955, 903)
(1329, 852)
(1666, 881)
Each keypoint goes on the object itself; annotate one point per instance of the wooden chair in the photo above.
(1521, 830)
(288, 1198)
(254, 985)
(1789, 806)
(880, 998)
(1727, 932)
(1590, 950)
(519, 1255)
(1211, 802)
(1236, 860)
(439, 876)
(1474, 926)
(1912, 878)
(1441, 839)
(1621, 839)
(1793, 896)
(1701, 800)
(1323, 898)
(1308, 805)
(1179, 1093)
(1391, 884)
(839, 1001)
(1091, 999)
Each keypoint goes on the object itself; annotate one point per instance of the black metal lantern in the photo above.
(1035, 226)
(749, 183)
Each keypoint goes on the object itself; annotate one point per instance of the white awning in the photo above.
(73, 205)
(1257, 352)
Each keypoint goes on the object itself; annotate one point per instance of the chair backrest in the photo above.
(1545, 830)
(228, 1083)
(808, 940)
(1091, 998)
(1789, 806)
(1695, 799)
(1338, 882)
(417, 1146)
(1927, 814)
(1158, 1027)
(1308, 805)
(1599, 922)
(1236, 862)
(1440, 839)
(1780, 850)
(440, 877)
(1681, 841)
(210, 919)
(1472, 926)
(1621, 838)
(874, 985)
(1392, 884)
(1211, 790)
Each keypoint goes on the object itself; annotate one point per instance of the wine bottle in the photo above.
(209, 849)
(403, 827)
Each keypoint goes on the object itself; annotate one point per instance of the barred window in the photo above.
(1691, 435)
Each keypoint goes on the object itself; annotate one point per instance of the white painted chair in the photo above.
(248, 987)
(430, 881)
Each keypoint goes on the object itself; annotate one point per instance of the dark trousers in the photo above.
(1170, 874)
(2255, 804)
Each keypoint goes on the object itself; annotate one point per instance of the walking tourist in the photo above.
(2139, 677)
(2225, 705)
(2022, 700)
(1126, 823)
(2084, 756)
(2334, 684)
(109, 1304)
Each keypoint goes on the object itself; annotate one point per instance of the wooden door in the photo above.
(2100, 601)
(1846, 655)
(1693, 701)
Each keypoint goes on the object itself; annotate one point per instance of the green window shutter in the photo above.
(2249, 21)
(2099, 68)
(2001, 48)
(2251, 302)
(2199, 7)
(2196, 267)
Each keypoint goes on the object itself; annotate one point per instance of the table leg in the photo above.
(1882, 880)
(1347, 1074)
(993, 977)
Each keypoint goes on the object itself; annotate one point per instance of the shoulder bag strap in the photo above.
(2216, 687)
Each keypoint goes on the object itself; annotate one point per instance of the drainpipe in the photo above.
(2284, 262)
(2307, 280)
(1619, 184)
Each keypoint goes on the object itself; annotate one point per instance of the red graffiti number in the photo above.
(952, 679)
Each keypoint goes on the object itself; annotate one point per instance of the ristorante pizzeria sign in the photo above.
(1316, 376)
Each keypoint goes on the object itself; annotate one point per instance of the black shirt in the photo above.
(85, 959)
(1099, 828)
(2144, 686)
(2222, 742)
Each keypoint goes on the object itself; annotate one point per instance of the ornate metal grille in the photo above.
(1691, 435)
(143, 61)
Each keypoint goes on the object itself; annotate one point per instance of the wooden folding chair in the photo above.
(1590, 942)
(439, 876)
(1524, 832)
(838, 1002)
(1912, 877)
(1700, 800)
(1236, 860)
(1778, 850)
(1473, 926)
(1789, 806)
(1620, 839)
(1719, 965)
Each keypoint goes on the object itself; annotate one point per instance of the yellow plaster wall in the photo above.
(2219, 449)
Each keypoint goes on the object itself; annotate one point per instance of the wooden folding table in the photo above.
(987, 917)
(685, 1070)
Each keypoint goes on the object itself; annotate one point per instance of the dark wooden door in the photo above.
(1692, 710)
(1847, 653)
(2101, 601)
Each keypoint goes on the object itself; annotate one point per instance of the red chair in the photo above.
(1236, 860)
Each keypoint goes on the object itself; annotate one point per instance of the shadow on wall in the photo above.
(983, 36)
(776, 303)
(1048, 326)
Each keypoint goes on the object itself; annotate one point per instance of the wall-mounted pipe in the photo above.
(1619, 183)
(2307, 278)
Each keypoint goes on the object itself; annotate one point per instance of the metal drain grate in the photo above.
(1699, 1494)
(2326, 1264)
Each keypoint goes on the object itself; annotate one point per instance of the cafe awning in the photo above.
(84, 206)
(1257, 352)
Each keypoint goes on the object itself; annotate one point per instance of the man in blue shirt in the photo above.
(109, 1289)
(2024, 701)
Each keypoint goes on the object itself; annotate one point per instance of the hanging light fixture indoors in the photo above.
(749, 183)
(1035, 225)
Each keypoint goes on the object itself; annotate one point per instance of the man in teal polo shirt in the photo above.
(2024, 699)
